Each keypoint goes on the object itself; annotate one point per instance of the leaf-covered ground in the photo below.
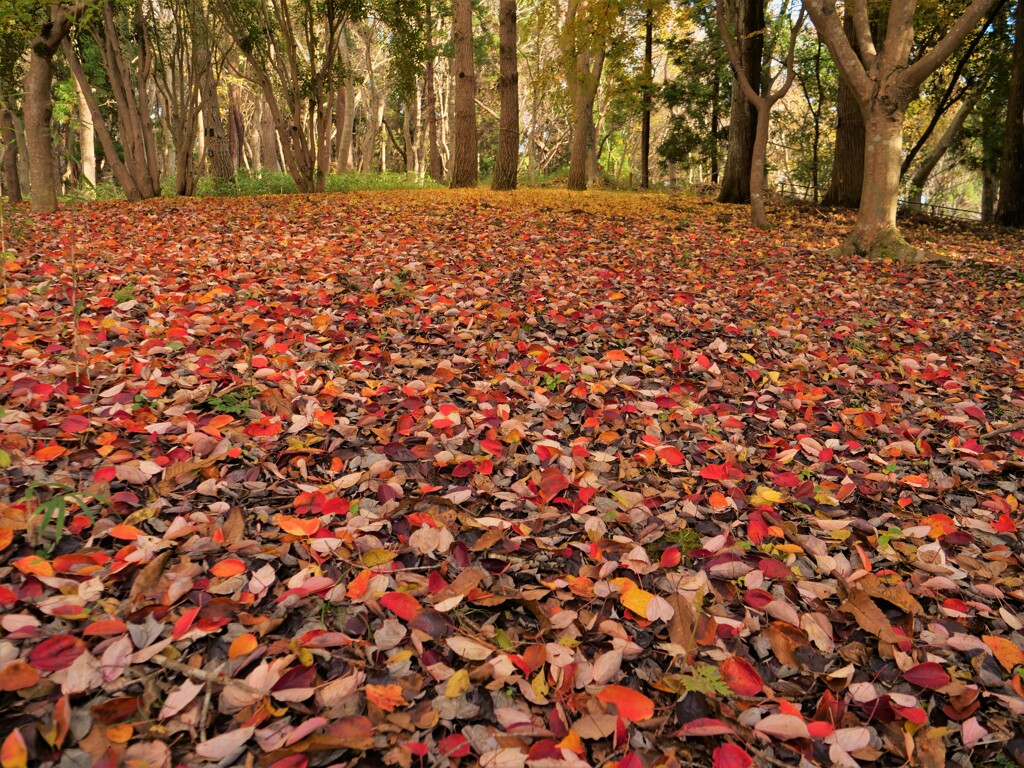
(453, 479)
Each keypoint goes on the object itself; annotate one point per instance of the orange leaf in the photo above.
(14, 753)
(33, 565)
(242, 645)
(17, 675)
(631, 705)
(387, 697)
(230, 567)
(125, 532)
(1006, 651)
(297, 526)
(6, 537)
(50, 452)
(718, 500)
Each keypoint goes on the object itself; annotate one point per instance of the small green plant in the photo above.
(700, 678)
(551, 382)
(54, 510)
(125, 293)
(234, 403)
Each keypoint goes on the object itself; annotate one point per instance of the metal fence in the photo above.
(806, 193)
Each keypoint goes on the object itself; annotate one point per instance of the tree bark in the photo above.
(268, 140)
(434, 167)
(464, 131)
(506, 164)
(749, 18)
(848, 154)
(1010, 210)
(645, 122)
(86, 140)
(12, 179)
(990, 150)
(215, 137)
(38, 106)
(928, 163)
(346, 106)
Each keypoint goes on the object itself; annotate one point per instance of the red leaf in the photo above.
(757, 528)
(56, 653)
(402, 605)
(552, 483)
(929, 675)
(631, 705)
(731, 756)
(184, 624)
(671, 557)
(741, 677)
(670, 455)
(715, 472)
(455, 745)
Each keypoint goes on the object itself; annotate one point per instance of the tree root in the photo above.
(885, 244)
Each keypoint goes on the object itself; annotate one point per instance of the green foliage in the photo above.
(701, 88)
(125, 292)
(54, 510)
(233, 403)
(256, 183)
(700, 678)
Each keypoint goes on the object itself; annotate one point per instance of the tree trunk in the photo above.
(927, 165)
(743, 114)
(875, 232)
(715, 91)
(236, 128)
(216, 139)
(1010, 210)
(848, 156)
(12, 179)
(268, 140)
(86, 140)
(346, 106)
(38, 109)
(506, 164)
(434, 167)
(758, 216)
(645, 123)
(990, 151)
(464, 132)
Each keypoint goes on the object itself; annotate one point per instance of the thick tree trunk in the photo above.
(875, 232)
(464, 133)
(506, 164)
(12, 179)
(848, 156)
(268, 140)
(645, 122)
(928, 163)
(749, 17)
(215, 136)
(715, 119)
(1010, 210)
(38, 109)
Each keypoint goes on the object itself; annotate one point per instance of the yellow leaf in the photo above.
(637, 601)
(540, 684)
(371, 558)
(765, 495)
(457, 684)
(749, 358)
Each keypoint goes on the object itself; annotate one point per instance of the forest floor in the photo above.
(438, 478)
